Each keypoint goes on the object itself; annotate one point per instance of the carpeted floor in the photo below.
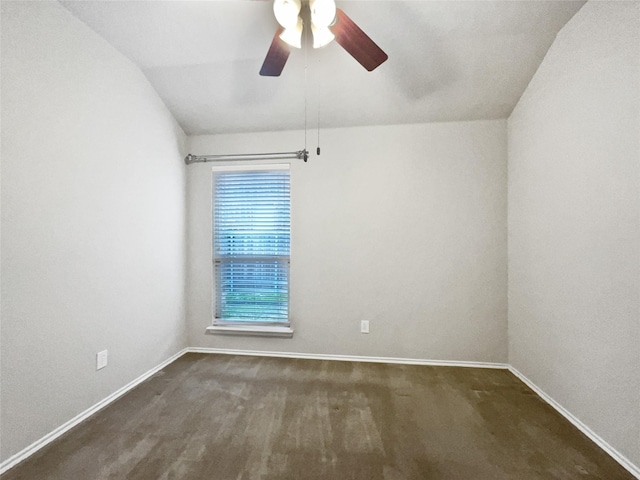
(235, 417)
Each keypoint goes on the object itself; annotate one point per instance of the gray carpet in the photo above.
(235, 417)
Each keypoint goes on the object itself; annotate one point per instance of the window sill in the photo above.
(250, 330)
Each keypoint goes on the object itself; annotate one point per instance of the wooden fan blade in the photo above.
(351, 37)
(276, 57)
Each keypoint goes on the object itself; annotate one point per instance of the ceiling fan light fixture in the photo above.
(321, 36)
(287, 12)
(293, 35)
(327, 23)
(323, 12)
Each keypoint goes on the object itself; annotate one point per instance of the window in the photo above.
(251, 239)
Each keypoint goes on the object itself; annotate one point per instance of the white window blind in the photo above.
(251, 238)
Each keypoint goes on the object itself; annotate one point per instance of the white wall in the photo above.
(404, 226)
(92, 222)
(574, 234)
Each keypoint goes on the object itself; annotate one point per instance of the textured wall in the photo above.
(574, 233)
(404, 226)
(92, 222)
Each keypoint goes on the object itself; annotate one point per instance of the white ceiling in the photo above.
(448, 60)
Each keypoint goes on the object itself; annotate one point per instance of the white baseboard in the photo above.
(350, 358)
(617, 456)
(50, 437)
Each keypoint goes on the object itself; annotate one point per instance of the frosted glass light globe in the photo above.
(286, 12)
(323, 12)
(293, 35)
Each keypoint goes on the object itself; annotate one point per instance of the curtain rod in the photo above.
(300, 155)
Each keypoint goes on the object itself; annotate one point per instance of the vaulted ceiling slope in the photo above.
(448, 61)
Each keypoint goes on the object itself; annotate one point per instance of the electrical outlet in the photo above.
(102, 359)
(364, 326)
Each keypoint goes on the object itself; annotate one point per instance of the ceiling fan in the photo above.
(327, 23)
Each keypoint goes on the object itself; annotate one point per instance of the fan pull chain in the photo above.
(306, 45)
(318, 97)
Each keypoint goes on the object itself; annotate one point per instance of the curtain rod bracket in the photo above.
(299, 154)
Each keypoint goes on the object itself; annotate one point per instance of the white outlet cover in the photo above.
(102, 359)
(364, 326)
